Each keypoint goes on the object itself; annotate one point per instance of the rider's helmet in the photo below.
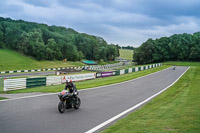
(69, 82)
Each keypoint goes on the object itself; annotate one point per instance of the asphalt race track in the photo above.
(27, 74)
(40, 114)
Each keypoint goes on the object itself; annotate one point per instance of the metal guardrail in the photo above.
(125, 71)
(53, 69)
(22, 83)
(13, 84)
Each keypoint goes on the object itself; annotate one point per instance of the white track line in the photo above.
(28, 97)
(82, 89)
(132, 108)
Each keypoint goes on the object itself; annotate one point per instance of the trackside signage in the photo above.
(78, 77)
(106, 74)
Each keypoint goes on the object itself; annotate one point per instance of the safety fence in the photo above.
(125, 71)
(54, 69)
(22, 83)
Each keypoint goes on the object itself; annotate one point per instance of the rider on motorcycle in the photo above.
(72, 90)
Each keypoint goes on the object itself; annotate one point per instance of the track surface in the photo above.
(40, 114)
(27, 74)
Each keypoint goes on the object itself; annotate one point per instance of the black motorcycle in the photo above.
(66, 101)
(174, 67)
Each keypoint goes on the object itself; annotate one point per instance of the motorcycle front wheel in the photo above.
(61, 107)
(78, 103)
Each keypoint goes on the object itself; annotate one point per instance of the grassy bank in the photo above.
(176, 110)
(105, 63)
(1, 84)
(126, 54)
(177, 63)
(11, 60)
(92, 83)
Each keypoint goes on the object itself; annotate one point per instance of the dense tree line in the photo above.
(128, 47)
(45, 42)
(178, 47)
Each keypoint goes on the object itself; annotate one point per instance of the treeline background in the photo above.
(178, 47)
(128, 47)
(45, 42)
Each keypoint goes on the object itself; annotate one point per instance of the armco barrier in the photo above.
(117, 72)
(130, 70)
(125, 71)
(53, 69)
(21, 83)
(98, 75)
(35, 82)
(122, 72)
(53, 80)
(13, 84)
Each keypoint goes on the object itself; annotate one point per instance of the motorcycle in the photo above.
(174, 67)
(66, 101)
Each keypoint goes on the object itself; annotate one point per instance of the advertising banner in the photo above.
(78, 77)
(106, 74)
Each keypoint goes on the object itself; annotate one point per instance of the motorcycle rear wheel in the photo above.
(61, 107)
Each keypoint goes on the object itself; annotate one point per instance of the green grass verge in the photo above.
(177, 63)
(92, 83)
(1, 84)
(105, 63)
(126, 54)
(2, 98)
(11, 60)
(176, 110)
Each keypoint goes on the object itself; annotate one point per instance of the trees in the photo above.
(128, 47)
(53, 50)
(111, 52)
(23, 43)
(36, 45)
(181, 47)
(194, 53)
(45, 42)
(1, 37)
(144, 54)
(12, 34)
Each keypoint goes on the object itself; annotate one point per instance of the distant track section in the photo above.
(27, 74)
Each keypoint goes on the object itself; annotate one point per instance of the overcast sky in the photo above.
(123, 22)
